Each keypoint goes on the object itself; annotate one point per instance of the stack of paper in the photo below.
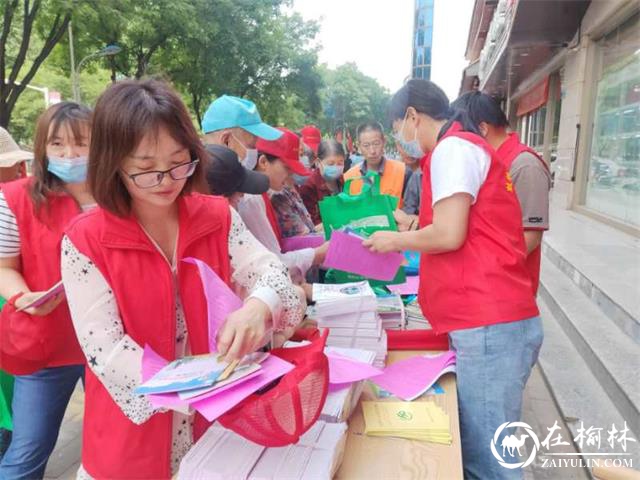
(343, 298)
(196, 375)
(391, 312)
(414, 317)
(341, 402)
(423, 421)
(221, 454)
(349, 310)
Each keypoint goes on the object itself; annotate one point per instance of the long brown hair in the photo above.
(61, 115)
(124, 114)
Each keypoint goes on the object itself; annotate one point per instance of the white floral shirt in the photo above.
(116, 359)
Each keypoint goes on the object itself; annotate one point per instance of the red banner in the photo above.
(534, 98)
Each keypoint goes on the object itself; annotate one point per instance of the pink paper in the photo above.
(214, 406)
(347, 253)
(408, 379)
(345, 370)
(410, 287)
(301, 241)
(221, 301)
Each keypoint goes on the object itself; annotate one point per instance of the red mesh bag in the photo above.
(280, 415)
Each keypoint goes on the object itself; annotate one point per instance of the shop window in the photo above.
(613, 183)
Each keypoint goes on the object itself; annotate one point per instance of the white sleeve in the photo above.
(458, 166)
(259, 271)
(9, 235)
(114, 357)
(252, 210)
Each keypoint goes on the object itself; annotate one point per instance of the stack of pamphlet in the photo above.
(423, 421)
(391, 312)
(340, 403)
(349, 310)
(194, 376)
(222, 454)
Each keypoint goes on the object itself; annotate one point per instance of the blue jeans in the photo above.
(39, 403)
(493, 364)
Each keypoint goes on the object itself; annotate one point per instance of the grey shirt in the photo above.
(411, 199)
(532, 182)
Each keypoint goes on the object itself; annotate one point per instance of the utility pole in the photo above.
(74, 80)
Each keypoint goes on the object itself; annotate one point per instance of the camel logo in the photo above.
(511, 445)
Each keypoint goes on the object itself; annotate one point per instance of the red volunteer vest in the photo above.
(485, 281)
(142, 283)
(508, 152)
(40, 238)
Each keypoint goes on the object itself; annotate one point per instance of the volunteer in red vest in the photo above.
(474, 284)
(278, 160)
(39, 344)
(529, 172)
(127, 286)
(394, 175)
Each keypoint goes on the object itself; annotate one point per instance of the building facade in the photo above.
(568, 74)
(422, 39)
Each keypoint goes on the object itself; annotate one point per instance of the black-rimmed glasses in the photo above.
(155, 177)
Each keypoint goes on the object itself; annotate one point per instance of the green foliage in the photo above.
(258, 49)
(350, 98)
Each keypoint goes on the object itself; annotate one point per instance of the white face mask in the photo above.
(250, 157)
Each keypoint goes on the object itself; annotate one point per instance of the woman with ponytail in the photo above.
(474, 283)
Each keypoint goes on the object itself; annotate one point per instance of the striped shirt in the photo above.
(9, 233)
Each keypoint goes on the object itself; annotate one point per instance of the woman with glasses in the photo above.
(37, 342)
(394, 176)
(128, 287)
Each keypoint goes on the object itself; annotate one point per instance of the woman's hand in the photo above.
(319, 228)
(404, 221)
(41, 310)
(244, 331)
(383, 242)
(321, 253)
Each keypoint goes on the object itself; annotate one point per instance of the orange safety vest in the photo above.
(391, 180)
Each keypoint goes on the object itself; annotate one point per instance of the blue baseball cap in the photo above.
(231, 112)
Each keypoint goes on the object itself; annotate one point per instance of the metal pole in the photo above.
(74, 77)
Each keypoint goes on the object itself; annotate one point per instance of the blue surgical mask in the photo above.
(305, 160)
(299, 179)
(332, 172)
(69, 170)
(412, 148)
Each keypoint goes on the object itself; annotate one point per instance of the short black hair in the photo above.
(481, 108)
(429, 99)
(371, 126)
(330, 147)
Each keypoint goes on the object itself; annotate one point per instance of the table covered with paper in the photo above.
(387, 415)
(369, 456)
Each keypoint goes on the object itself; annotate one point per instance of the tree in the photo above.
(141, 28)
(248, 48)
(350, 98)
(26, 24)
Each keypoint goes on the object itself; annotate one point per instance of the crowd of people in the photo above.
(118, 195)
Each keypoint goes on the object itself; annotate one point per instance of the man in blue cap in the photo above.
(235, 123)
